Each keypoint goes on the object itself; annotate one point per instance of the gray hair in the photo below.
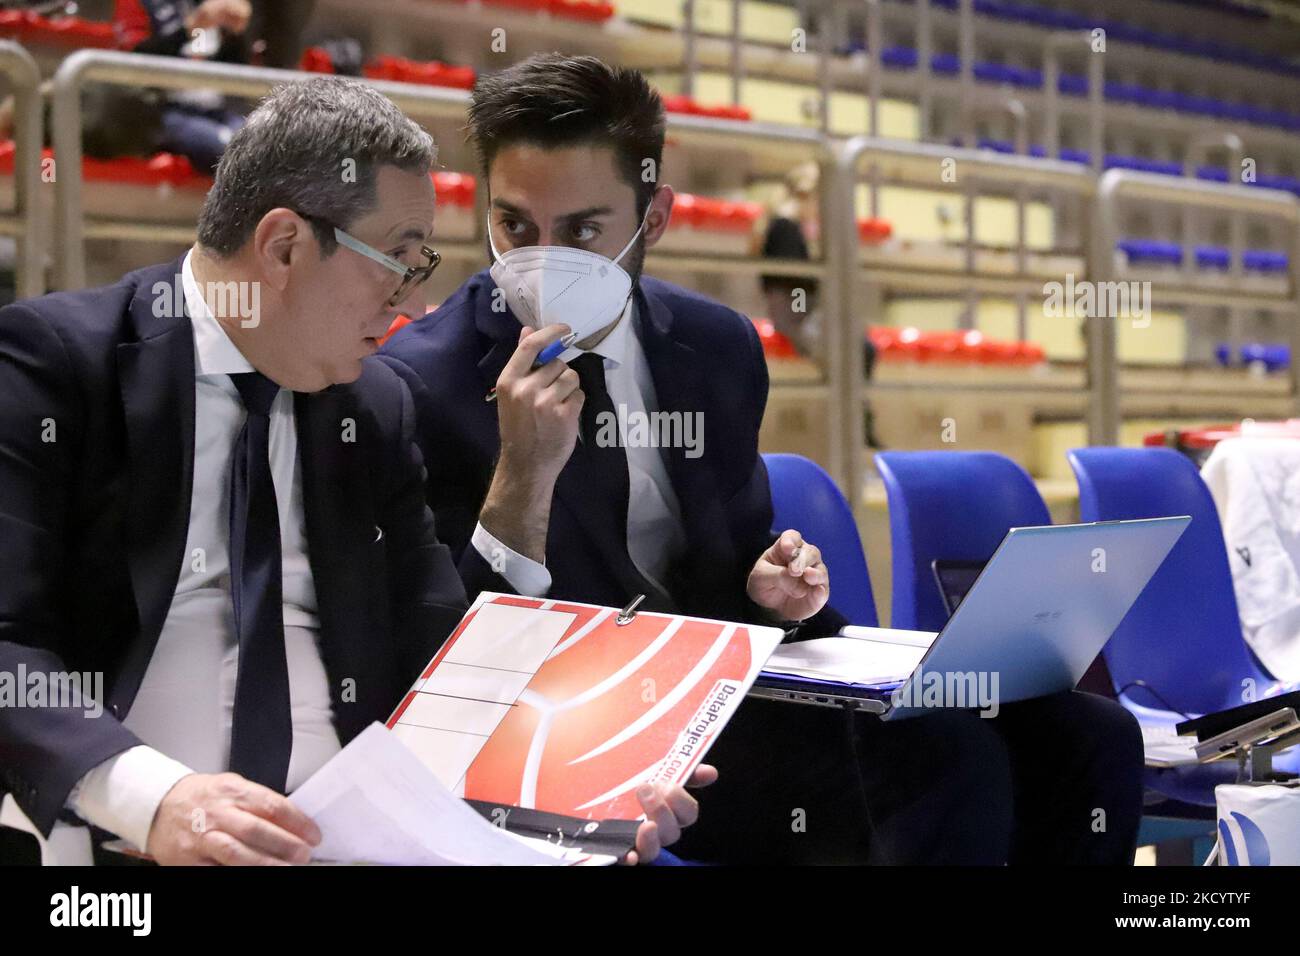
(313, 147)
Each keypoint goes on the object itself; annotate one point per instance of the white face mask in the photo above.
(547, 285)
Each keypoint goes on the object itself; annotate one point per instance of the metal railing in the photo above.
(170, 73)
(1104, 412)
(1052, 97)
(25, 222)
(846, 354)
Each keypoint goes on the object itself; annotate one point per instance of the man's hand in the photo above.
(668, 811)
(790, 579)
(214, 819)
(538, 410)
(230, 15)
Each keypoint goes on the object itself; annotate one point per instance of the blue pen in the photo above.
(555, 349)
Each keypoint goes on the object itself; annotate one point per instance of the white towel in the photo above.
(1255, 483)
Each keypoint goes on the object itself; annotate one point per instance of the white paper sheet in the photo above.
(459, 706)
(375, 802)
(867, 656)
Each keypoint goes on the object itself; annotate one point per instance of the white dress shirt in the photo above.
(655, 533)
(185, 703)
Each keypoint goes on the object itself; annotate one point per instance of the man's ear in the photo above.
(660, 211)
(281, 237)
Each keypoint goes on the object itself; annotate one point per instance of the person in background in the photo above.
(196, 124)
(792, 301)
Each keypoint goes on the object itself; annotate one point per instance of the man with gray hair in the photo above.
(209, 493)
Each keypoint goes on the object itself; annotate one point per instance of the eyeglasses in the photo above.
(412, 276)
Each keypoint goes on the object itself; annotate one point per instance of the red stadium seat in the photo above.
(687, 104)
(719, 215)
(951, 346)
(776, 345)
(454, 189)
(159, 169)
(29, 27)
(874, 231)
(432, 73)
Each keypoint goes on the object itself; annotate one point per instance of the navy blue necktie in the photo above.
(605, 474)
(261, 733)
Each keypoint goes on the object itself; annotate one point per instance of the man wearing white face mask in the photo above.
(542, 483)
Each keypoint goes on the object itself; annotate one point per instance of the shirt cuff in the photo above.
(523, 574)
(122, 794)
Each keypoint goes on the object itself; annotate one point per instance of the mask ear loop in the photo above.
(644, 216)
(496, 256)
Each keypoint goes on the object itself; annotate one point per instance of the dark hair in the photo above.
(293, 151)
(552, 100)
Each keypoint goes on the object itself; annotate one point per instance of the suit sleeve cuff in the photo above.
(122, 794)
(525, 575)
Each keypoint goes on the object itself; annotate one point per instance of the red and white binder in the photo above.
(567, 708)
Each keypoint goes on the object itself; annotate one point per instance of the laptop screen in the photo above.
(955, 579)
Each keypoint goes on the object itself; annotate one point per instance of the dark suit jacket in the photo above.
(703, 357)
(93, 524)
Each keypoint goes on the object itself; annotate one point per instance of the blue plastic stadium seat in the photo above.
(1188, 655)
(949, 505)
(992, 72)
(1213, 257)
(946, 63)
(1141, 251)
(904, 57)
(1274, 356)
(1285, 183)
(805, 498)
(1122, 92)
(1073, 84)
(1264, 260)
(1162, 167)
(997, 145)
(1130, 33)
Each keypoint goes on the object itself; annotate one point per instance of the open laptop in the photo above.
(1036, 616)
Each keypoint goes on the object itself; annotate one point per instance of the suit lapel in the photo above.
(679, 379)
(156, 379)
(501, 329)
(339, 512)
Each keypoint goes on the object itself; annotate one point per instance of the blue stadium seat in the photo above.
(1274, 356)
(805, 498)
(950, 505)
(1140, 251)
(1131, 33)
(1173, 656)
(1264, 260)
(1213, 257)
